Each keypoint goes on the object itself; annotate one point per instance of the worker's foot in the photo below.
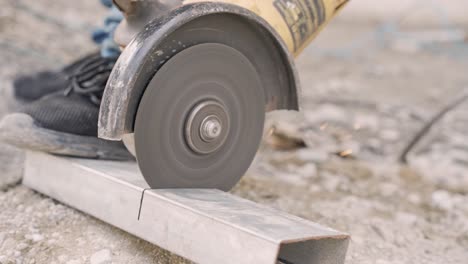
(33, 87)
(65, 122)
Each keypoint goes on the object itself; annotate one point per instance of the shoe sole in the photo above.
(21, 131)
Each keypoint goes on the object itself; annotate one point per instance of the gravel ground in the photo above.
(366, 94)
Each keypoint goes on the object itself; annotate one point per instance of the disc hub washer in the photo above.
(200, 120)
(207, 127)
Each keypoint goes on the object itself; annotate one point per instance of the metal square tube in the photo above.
(205, 226)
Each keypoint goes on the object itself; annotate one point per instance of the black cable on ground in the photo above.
(420, 135)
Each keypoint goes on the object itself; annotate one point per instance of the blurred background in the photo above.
(357, 160)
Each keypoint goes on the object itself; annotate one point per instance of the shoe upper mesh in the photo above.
(73, 114)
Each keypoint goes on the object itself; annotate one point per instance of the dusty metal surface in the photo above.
(205, 226)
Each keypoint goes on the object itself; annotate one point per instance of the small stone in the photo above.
(80, 241)
(32, 229)
(368, 122)
(314, 188)
(20, 208)
(331, 183)
(9, 243)
(414, 199)
(406, 218)
(410, 174)
(37, 237)
(21, 246)
(327, 113)
(399, 240)
(312, 155)
(62, 258)
(389, 135)
(101, 257)
(358, 240)
(293, 178)
(442, 200)
(388, 189)
(309, 170)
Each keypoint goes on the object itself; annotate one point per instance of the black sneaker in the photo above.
(66, 122)
(32, 87)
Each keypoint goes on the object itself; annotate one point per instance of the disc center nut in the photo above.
(207, 127)
(211, 128)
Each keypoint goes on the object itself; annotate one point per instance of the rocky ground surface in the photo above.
(367, 90)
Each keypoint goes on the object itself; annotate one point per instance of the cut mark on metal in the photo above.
(141, 201)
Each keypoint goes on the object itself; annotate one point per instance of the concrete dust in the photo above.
(335, 165)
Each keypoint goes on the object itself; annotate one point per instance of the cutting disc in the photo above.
(200, 121)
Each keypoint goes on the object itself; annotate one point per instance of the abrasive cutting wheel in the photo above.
(201, 118)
